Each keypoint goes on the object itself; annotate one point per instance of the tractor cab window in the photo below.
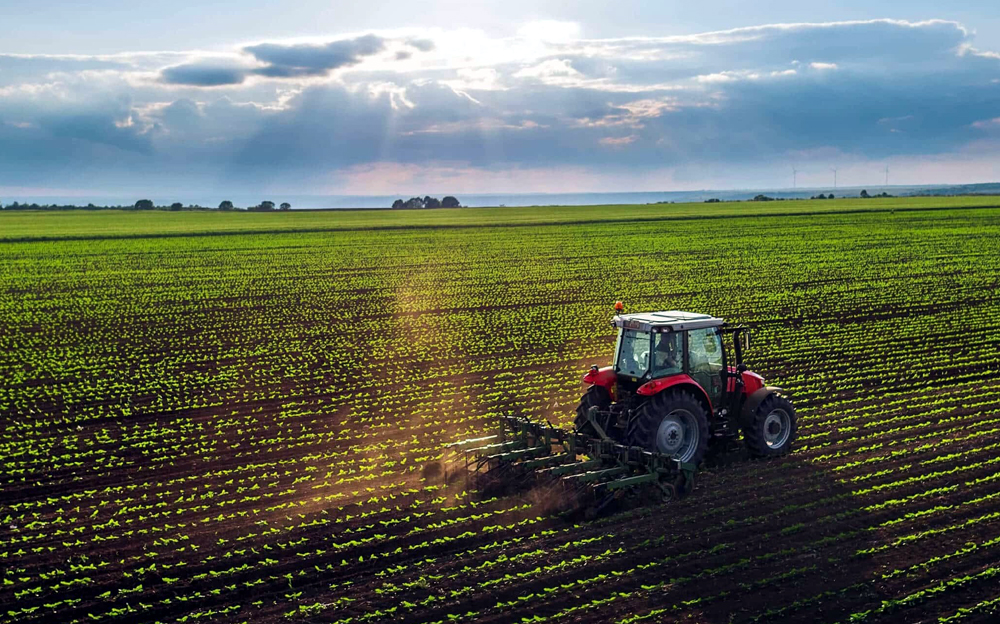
(633, 353)
(668, 354)
(705, 360)
(705, 351)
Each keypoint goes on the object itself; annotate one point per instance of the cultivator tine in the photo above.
(594, 476)
(627, 482)
(492, 449)
(581, 466)
(471, 441)
(551, 460)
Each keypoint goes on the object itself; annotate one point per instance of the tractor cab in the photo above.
(655, 345)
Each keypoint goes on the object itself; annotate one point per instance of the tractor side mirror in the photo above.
(745, 340)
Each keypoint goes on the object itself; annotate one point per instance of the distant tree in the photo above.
(864, 193)
(431, 202)
(396, 205)
(286, 206)
(144, 204)
(763, 198)
(414, 203)
(177, 206)
(267, 205)
(226, 205)
(449, 202)
(714, 200)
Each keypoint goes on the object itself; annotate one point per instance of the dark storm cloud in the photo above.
(203, 75)
(280, 61)
(284, 60)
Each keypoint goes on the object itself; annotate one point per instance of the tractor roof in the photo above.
(672, 320)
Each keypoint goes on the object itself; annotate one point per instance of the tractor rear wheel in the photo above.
(596, 396)
(673, 423)
(771, 429)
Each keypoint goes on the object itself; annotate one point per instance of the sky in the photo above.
(107, 98)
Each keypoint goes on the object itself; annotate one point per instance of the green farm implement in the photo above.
(590, 471)
(677, 385)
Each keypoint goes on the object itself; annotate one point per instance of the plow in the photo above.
(678, 385)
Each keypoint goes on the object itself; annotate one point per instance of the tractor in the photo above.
(677, 385)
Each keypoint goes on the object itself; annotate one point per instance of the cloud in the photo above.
(618, 141)
(725, 76)
(550, 70)
(301, 113)
(290, 60)
(987, 124)
(203, 75)
(280, 60)
(423, 45)
(18, 68)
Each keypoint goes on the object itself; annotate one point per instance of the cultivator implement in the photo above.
(591, 472)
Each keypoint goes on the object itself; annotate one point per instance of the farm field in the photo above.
(247, 420)
(79, 224)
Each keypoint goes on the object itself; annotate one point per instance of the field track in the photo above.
(243, 418)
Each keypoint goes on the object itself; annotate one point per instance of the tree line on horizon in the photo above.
(426, 202)
(269, 206)
(146, 204)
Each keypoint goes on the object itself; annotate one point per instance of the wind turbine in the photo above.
(795, 174)
(834, 170)
(887, 175)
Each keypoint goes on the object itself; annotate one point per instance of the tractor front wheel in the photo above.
(673, 423)
(596, 396)
(771, 429)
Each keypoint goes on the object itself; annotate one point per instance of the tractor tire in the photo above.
(596, 396)
(771, 429)
(673, 423)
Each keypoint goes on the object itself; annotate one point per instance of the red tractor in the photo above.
(678, 383)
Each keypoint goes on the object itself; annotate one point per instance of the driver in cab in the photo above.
(667, 354)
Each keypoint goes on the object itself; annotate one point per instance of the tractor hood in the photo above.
(751, 381)
(601, 377)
